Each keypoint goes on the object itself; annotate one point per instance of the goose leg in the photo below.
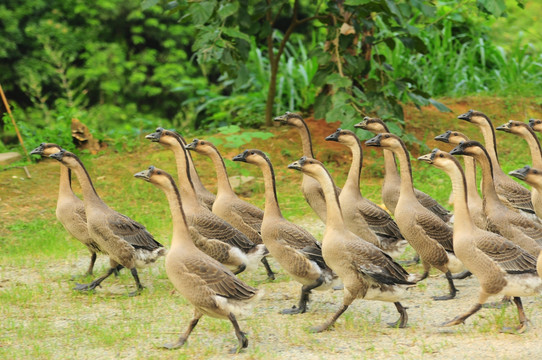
(304, 299)
(139, 287)
(182, 339)
(330, 322)
(91, 265)
(522, 327)
(241, 336)
(461, 318)
(453, 290)
(462, 275)
(95, 283)
(403, 316)
(270, 273)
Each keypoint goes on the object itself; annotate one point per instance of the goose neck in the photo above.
(534, 147)
(306, 140)
(463, 219)
(180, 228)
(488, 184)
(272, 208)
(186, 186)
(407, 187)
(64, 187)
(224, 186)
(353, 179)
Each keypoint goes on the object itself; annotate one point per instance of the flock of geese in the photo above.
(497, 237)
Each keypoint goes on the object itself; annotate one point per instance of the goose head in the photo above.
(201, 146)
(165, 137)
(155, 176)
(252, 156)
(385, 140)
(290, 119)
(46, 149)
(515, 127)
(308, 166)
(475, 117)
(440, 159)
(528, 174)
(374, 125)
(536, 124)
(452, 137)
(67, 158)
(345, 137)
(469, 148)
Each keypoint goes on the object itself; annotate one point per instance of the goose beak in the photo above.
(37, 151)
(334, 136)
(458, 150)
(363, 124)
(283, 119)
(192, 145)
(466, 116)
(155, 136)
(145, 174)
(374, 141)
(445, 138)
(520, 173)
(58, 156)
(241, 157)
(532, 122)
(296, 165)
(428, 158)
(504, 127)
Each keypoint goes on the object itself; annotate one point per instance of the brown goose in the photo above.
(296, 250)
(126, 241)
(244, 216)
(475, 203)
(361, 216)
(509, 191)
(392, 180)
(533, 177)
(211, 234)
(524, 131)
(310, 187)
(366, 271)
(431, 237)
(500, 266)
(209, 286)
(508, 223)
(70, 210)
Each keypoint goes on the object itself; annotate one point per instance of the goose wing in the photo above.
(295, 236)
(222, 281)
(378, 219)
(373, 262)
(132, 232)
(212, 227)
(433, 227)
(510, 257)
(516, 194)
(431, 204)
(251, 214)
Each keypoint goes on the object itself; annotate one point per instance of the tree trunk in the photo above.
(271, 95)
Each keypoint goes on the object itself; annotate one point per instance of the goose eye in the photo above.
(455, 134)
(202, 143)
(441, 155)
(252, 153)
(387, 136)
(535, 171)
(159, 173)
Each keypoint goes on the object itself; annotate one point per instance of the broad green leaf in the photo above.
(338, 81)
(202, 11)
(228, 9)
(440, 106)
(356, 2)
(494, 7)
(235, 33)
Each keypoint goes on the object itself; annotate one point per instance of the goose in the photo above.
(475, 202)
(361, 216)
(392, 180)
(70, 210)
(500, 266)
(127, 242)
(244, 216)
(213, 235)
(208, 285)
(510, 192)
(508, 223)
(311, 189)
(366, 271)
(295, 249)
(205, 197)
(531, 176)
(428, 234)
(524, 131)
